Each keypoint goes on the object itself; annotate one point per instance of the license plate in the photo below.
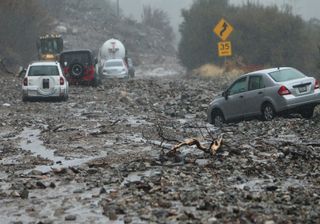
(302, 89)
(45, 83)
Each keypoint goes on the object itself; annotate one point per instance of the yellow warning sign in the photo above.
(223, 29)
(225, 49)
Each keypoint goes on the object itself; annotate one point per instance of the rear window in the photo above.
(68, 59)
(114, 64)
(44, 70)
(286, 75)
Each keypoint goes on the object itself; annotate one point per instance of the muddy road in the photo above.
(102, 157)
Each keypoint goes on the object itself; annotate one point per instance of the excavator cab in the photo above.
(50, 47)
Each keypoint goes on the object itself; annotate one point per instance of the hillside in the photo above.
(83, 24)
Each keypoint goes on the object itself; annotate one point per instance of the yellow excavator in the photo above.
(49, 47)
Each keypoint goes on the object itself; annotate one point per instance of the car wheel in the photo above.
(268, 112)
(307, 112)
(217, 118)
(76, 70)
(65, 98)
(24, 99)
(95, 82)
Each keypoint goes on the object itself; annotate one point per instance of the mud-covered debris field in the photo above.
(103, 157)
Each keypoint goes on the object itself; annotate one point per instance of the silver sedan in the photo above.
(266, 93)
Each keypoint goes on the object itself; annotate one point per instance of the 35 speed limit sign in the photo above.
(224, 48)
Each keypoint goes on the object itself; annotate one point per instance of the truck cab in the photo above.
(49, 47)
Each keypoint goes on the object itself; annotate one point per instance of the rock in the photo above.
(112, 215)
(15, 194)
(78, 191)
(164, 204)
(271, 188)
(70, 218)
(48, 221)
(269, 222)
(59, 212)
(36, 173)
(61, 29)
(212, 220)
(92, 171)
(127, 220)
(103, 190)
(202, 162)
(24, 194)
(41, 185)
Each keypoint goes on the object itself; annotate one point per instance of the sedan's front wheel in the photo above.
(268, 112)
(217, 118)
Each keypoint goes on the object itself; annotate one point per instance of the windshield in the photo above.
(51, 46)
(286, 75)
(114, 64)
(48, 70)
(82, 57)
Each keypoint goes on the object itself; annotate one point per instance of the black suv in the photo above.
(79, 67)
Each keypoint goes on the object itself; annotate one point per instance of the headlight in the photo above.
(49, 56)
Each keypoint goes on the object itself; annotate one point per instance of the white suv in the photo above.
(45, 80)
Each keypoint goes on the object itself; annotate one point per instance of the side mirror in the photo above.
(22, 72)
(225, 94)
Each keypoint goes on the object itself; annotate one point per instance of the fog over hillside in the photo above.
(133, 8)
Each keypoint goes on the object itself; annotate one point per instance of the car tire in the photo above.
(307, 112)
(268, 112)
(95, 81)
(217, 118)
(65, 98)
(24, 99)
(77, 70)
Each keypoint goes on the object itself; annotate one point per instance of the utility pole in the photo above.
(118, 8)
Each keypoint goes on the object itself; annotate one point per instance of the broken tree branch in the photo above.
(213, 149)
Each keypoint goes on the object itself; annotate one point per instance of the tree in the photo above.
(158, 19)
(284, 40)
(21, 22)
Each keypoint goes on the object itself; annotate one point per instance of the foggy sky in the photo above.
(133, 8)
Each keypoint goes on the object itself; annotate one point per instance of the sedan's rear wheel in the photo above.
(307, 112)
(268, 112)
(217, 118)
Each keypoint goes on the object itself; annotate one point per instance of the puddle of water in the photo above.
(254, 185)
(137, 176)
(287, 138)
(87, 210)
(31, 142)
(6, 134)
(136, 121)
(258, 185)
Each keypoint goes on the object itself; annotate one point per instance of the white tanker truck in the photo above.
(111, 49)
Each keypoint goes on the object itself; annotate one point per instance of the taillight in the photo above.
(283, 91)
(25, 81)
(66, 70)
(316, 85)
(61, 81)
(91, 70)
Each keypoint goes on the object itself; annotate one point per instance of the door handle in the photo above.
(260, 92)
(241, 96)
